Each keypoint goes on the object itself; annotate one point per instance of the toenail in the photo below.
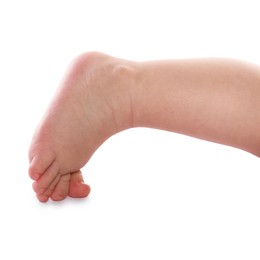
(43, 198)
(36, 176)
(36, 189)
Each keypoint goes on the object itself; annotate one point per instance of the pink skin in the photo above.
(212, 99)
(82, 115)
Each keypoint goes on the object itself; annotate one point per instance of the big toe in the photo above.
(77, 188)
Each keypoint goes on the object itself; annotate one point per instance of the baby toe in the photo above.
(39, 163)
(62, 188)
(77, 188)
(47, 179)
(45, 195)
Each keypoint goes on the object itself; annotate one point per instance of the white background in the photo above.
(154, 194)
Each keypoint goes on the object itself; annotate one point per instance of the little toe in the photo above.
(62, 188)
(77, 188)
(39, 163)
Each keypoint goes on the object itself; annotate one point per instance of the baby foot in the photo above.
(92, 104)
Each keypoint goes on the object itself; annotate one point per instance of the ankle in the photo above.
(113, 81)
(125, 78)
